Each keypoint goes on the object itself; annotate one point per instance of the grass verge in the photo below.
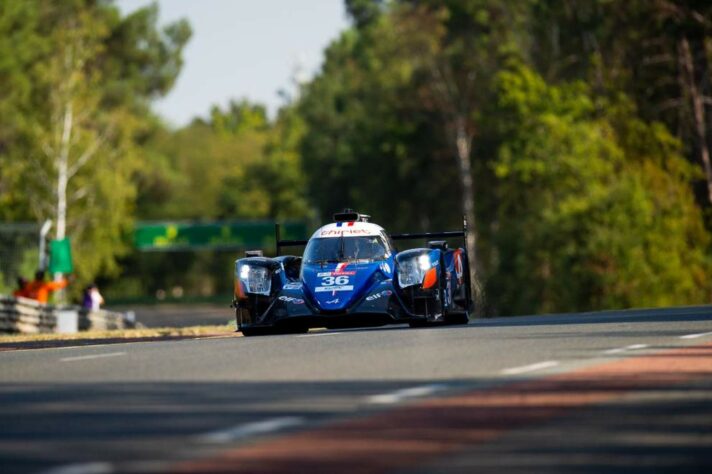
(142, 333)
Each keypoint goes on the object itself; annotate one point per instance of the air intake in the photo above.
(349, 215)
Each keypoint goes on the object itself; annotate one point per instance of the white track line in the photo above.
(321, 334)
(249, 429)
(632, 347)
(695, 336)
(94, 356)
(530, 368)
(82, 468)
(403, 394)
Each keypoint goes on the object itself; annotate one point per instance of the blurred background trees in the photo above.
(574, 134)
(75, 116)
(579, 125)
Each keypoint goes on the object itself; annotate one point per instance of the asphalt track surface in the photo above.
(626, 391)
(177, 315)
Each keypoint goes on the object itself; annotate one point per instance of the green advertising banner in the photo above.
(60, 256)
(224, 235)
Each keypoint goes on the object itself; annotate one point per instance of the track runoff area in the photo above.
(627, 391)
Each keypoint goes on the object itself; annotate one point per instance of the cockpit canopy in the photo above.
(347, 249)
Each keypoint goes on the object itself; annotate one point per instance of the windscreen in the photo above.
(341, 249)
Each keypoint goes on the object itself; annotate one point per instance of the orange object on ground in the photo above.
(40, 290)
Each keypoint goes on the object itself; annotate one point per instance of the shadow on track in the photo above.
(691, 313)
(575, 424)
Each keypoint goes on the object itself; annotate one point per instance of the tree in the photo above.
(77, 127)
(241, 164)
(88, 88)
(554, 180)
(658, 52)
(368, 144)
(21, 47)
(235, 164)
(400, 99)
(457, 47)
(595, 212)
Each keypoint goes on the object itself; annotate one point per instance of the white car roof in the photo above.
(348, 229)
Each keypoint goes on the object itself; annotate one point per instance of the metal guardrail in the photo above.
(22, 315)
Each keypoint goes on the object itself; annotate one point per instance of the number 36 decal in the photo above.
(339, 280)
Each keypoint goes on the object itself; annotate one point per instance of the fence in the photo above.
(22, 315)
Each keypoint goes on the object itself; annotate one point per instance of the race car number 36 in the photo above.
(331, 281)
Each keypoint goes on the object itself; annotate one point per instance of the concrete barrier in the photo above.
(22, 315)
(67, 321)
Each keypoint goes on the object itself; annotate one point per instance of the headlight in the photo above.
(256, 279)
(415, 268)
(409, 273)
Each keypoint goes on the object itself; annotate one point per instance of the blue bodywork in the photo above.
(351, 292)
(332, 288)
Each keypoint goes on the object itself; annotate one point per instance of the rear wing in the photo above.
(286, 243)
(410, 236)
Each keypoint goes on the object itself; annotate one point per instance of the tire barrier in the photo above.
(22, 315)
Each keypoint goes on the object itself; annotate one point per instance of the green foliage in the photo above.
(636, 47)
(584, 149)
(79, 78)
(241, 165)
(236, 165)
(369, 141)
(595, 212)
(583, 202)
(26, 267)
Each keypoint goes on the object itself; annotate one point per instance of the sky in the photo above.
(244, 49)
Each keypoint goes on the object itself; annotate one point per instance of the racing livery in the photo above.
(351, 275)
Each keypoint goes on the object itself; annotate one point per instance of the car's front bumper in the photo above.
(291, 307)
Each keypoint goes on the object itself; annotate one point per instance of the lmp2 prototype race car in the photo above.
(352, 275)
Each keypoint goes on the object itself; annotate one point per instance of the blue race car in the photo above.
(352, 275)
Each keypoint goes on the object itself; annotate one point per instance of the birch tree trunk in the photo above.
(463, 146)
(698, 108)
(62, 165)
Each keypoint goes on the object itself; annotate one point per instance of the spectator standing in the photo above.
(39, 289)
(22, 287)
(92, 298)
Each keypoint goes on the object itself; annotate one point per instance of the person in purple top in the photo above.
(92, 299)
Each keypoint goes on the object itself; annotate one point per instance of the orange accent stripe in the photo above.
(431, 277)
